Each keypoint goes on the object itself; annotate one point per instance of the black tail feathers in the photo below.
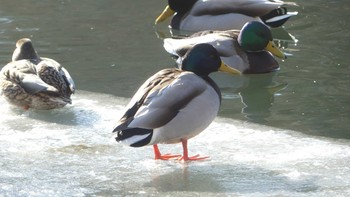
(134, 137)
(277, 17)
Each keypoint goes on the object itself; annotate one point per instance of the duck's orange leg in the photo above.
(185, 156)
(158, 155)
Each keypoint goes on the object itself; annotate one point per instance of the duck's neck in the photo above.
(181, 12)
(260, 62)
(175, 22)
(212, 84)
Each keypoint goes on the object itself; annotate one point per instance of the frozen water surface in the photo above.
(70, 152)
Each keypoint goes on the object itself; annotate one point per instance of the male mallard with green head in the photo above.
(30, 81)
(249, 50)
(174, 104)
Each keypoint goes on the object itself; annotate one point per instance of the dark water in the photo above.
(112, 47)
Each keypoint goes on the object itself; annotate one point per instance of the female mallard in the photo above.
(174, 105)
(30, 81)
(199, 15)
(246, 50)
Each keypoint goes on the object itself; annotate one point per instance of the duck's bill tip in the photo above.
(167, 12)
(271, 47)
(227, 69)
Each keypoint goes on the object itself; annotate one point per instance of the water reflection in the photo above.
(258, 97)
(239, 179)
(256, 93)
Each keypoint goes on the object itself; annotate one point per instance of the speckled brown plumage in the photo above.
(30, 81)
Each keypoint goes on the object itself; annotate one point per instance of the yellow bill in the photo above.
(228, 69)
(275, 50)
(165, 14)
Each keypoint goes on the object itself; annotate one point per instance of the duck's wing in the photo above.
(228, 33)
(23, 72)
(223, 41)
(56, 69)
(69, 80)
(32, 84)
(177, 47)
(159, 99)
(253, 8)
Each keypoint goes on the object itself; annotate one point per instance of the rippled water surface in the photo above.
(285, 133)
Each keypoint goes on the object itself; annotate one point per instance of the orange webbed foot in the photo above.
(192, 158)
(158, 155)
(185, 157)
(167, 156)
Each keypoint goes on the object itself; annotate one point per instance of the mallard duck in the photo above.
(174, 104)
(247, 50)
(199, 15)
(30, 81)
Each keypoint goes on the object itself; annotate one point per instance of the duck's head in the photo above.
(255, 36)
(203, 59)
(24, 50)
(174, 6)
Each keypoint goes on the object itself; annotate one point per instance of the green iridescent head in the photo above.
(203, 59)
(255, 36)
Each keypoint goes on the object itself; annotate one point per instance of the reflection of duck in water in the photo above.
(199, 15)
(256, 92)
(249, 50)
(30, 81)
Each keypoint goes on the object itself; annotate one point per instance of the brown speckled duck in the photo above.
(30, 81)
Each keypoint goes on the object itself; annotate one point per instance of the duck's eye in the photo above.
(212, 56)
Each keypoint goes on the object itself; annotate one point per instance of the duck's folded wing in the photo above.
(69, 80)
(48, 62)
(163, 77)
(247, 7)
(23, 72)
(223, 41)
(32, 84)
(162, 102)
(178, 47)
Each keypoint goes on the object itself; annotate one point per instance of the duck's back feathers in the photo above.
(158, 97)
(32, 84)
(53, 73)
(252, 8)
(145, 93)
(223, 41)
(24, 73)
